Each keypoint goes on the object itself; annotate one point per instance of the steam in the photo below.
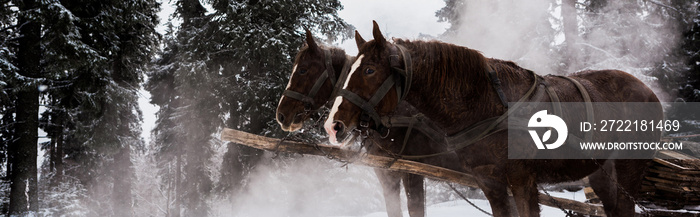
(505, 30)
(526, 32)
(306, 186)
(622, 36)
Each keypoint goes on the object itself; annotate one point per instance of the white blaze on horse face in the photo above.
(328, 125)
(355, 65)
(288, 84)
(294, 70)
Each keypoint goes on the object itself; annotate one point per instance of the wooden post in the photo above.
(405, 166)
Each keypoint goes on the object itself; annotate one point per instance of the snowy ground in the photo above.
(316, 186)
(462, 208)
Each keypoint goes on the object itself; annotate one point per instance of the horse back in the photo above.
(603, 86)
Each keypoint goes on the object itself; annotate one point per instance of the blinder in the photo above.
(308, 99)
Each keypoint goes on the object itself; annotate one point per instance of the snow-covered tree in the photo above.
(22, 166)
(226, 67)
(689, 84)
(89, 57)
(260, 39)
(8, 23)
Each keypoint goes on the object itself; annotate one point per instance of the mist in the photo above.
(304, 186)
(526, 32)
(622, 36)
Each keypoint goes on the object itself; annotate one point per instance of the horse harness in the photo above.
(467, 136)
(401, 76)
(308, 99)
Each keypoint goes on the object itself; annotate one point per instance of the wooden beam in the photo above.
(405, 166)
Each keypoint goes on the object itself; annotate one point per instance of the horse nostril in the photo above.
(338, 127)
(280, 117)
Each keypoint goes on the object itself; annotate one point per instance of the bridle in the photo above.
(399, 76)
(401, 80)
(308, 99)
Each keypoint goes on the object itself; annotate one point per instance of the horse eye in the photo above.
(302, 71)
(369, 71)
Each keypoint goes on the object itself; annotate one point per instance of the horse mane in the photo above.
(336, 52)
(459, 69)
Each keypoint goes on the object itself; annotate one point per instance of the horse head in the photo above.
(371, 91)
(310, 85)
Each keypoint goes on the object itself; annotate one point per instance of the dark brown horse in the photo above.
(298, 102)
(451, 86)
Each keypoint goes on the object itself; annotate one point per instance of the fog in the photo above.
(526, 32)
(306, 186)
(316, 186)
(529, 33)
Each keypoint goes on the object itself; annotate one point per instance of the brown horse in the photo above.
(300, 99)
(450, 85)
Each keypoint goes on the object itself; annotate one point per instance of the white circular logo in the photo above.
(542, 119)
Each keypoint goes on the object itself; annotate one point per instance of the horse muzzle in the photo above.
(337, 132)
(289, 124)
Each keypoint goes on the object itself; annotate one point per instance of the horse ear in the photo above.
(310, 40)
(358, 39)
(378, 34)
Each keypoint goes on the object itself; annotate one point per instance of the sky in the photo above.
(396, 18)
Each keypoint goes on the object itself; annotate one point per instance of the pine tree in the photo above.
(262, 38)
(95, 53)
(8, 69)
(135, 28)
(165, 145)
(571, 34)
(451, 13)
(689, 84)
(180, 86)
(23, 150)
(231, 63)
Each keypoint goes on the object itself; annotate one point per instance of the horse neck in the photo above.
(454, 111)
(338, 60)
(515, 81)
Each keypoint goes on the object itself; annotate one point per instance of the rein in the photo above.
(308, 99)
(484, 128)
(465, 137)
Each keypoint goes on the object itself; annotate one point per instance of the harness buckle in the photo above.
(364, 120)
(384, 132)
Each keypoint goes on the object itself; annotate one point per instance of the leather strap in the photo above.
(368, 106)
(330, 72)
(484, 128)
(556, 106)
(496, 83)
(343, 75)
(400, 76)
(420, 123)
(406, 74)
(308, 99)
(586, 100)
(298, 96)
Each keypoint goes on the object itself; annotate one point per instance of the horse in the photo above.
(452, 85)
(315, 73)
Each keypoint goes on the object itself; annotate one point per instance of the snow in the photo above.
(462, 208)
